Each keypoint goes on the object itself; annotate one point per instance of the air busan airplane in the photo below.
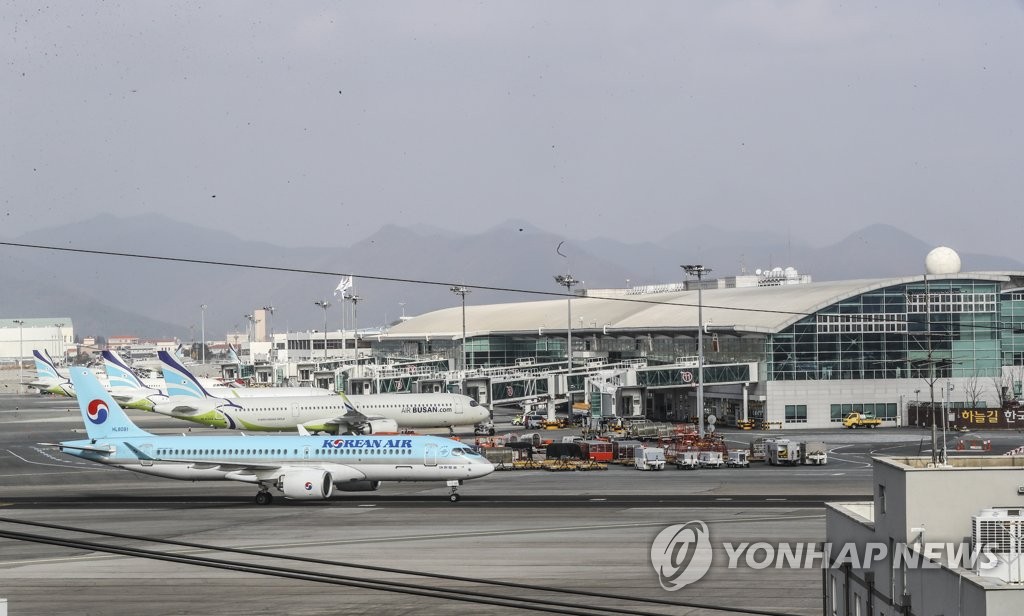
(132, 392)
(301, 467)
(49, 380)
(335, 414)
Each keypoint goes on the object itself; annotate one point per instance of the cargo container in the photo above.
(599, 451)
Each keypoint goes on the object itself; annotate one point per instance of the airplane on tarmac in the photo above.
(335, 414)
(49, 379)
(301, 467)
(135, 393)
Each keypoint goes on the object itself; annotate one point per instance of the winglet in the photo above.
(103, 417)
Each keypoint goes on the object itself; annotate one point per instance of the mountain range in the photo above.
(397, 270)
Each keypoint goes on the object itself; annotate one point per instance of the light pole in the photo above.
(21, 351)
(355, 299)
(461, 291)
(202, 308)
(567, 281)
(325, 305)
(60, 341)
(699, 271)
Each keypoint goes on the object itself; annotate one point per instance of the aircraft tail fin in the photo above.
(103, 417)
(180, 382)
(179, 353)
(119, 373)
(44, 369)
(53, 364)
(232, 355)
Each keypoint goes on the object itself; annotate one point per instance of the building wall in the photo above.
(820, 396)
(941, 501)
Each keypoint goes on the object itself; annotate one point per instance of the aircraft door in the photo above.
(430, 455)
(295, 409)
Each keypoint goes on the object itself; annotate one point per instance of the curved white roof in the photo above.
(744, 309)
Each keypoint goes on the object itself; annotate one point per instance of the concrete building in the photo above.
(20, 336)
(920, 517)
(820, 350)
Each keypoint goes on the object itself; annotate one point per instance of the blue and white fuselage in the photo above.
(301, 467)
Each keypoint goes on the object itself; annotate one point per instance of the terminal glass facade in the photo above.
(1012, 308)
(950, 329)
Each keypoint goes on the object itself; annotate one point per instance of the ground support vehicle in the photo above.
(757, 453)
(710, 459)
(649, 458)
(781, 452)
(738, 458)
(814, 454)
(860, 420)
(687, 460)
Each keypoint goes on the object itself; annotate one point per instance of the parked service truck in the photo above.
(815, 454)
(738, 458)
(649, 458)
(860, 420)
(710, 459)
(687, 460)
(781, 451)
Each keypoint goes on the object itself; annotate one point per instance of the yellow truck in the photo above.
(860, 420)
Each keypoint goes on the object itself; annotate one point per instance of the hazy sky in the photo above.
(319, 122)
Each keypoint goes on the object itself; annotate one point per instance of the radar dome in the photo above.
(942, 260)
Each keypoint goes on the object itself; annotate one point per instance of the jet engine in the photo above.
(359, 486)
(307, 484)
(377, 426)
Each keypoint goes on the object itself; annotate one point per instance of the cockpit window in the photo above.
(473, 403)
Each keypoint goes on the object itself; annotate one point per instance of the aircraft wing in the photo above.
(351, 417)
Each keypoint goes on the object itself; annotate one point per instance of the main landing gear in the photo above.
(264, 497)
(453, 485)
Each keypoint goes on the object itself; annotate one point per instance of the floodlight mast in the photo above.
(461, 291)
(325, 305)
(699, 271)
(202, 317)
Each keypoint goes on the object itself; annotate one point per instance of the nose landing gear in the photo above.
(453, 486)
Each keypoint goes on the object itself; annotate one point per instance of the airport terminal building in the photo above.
(779, 349)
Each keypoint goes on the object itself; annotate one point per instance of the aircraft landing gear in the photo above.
(453, 486)
(264, 497)
(451, 430)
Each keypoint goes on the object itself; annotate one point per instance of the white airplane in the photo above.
(301, 467)
(133, 392)
(335, 414)
(49, 379)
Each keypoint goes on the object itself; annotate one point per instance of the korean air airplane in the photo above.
(49, 380)
(336, 414)
(300, 467)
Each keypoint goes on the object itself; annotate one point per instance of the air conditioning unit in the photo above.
(1000, 531)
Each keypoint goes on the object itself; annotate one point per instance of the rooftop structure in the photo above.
(922, 527)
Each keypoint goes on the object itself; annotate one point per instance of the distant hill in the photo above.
(108, 295)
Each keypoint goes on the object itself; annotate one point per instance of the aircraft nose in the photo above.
(482, 469)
